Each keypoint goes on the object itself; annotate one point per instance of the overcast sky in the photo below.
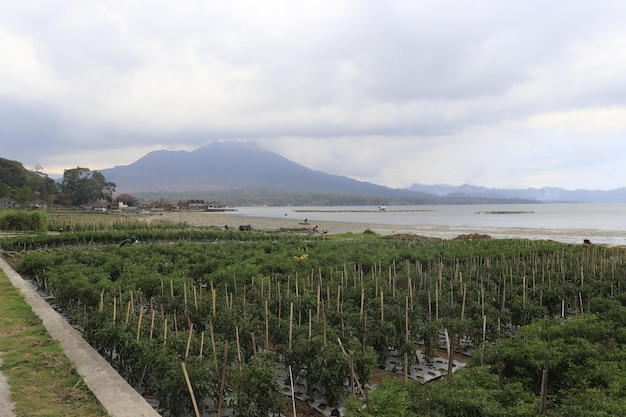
(496, 93)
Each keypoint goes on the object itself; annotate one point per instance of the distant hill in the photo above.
(544, 195)
(240, 171)
(243, 173)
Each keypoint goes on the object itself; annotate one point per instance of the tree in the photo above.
(82, 185)
(41, 184)
(12, 173)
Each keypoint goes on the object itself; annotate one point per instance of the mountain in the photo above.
(544, 195)
(240, 169)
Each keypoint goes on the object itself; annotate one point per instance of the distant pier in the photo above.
(505, 212)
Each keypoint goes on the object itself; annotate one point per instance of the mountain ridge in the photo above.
(543, 195)
(244, 172)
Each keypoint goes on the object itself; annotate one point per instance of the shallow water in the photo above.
(570, 223)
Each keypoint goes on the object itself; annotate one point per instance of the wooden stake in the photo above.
(193, 397)
(463, 305)
(189, 341)
(253, 344)
(290, 324)
(293, 394)
(101, 306)
(239, 358)
(213, 301)
(152, 320)
(267, 327)
(139, 323)
(213, 347)
(128, 312)
(221, 398)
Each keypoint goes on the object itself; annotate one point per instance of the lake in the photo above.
(569, 223)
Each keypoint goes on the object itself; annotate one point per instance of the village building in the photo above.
(125, 201)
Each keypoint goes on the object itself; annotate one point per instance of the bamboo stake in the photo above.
(436, 302)
(293, 394)
(201, 343)
(243, 301)
(101, 305)
(524, 292)
(193, 397)
(362, 300)
(290, 324)
(318, 303)
(165, 332)
(451, 342)
(239, 358)
(354, 375)
(221, 398)
(139, 323)
(128, 312)
(214, 349)
(214, 301)
(463, 305)
(253, 344)
(406, 337)
(189, 341)
(114, 309)
(153, 313)
(267, 327)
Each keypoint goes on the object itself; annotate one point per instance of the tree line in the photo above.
(78, 186)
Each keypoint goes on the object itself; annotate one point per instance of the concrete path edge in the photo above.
(113, 392)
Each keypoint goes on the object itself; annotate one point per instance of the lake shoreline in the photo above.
(233, 220)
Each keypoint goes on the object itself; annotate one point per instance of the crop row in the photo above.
(233, 306)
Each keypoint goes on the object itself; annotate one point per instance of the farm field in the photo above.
(204, 319)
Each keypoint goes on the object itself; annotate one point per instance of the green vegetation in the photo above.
(25, 186)
(81, 186)
(43, 381)
(23, 221)
(232, 305)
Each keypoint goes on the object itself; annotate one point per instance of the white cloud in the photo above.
(485, 92)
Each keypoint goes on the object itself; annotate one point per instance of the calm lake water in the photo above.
(570, 223)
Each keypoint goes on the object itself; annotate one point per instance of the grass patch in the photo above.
(43, 380)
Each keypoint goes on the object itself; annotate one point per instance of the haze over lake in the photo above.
(569, 223)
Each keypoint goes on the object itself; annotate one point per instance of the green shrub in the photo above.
(21, 220)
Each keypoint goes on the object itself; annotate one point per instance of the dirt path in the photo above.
(6, 406)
